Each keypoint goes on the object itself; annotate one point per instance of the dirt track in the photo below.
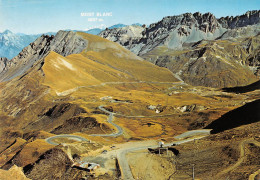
(242, 157)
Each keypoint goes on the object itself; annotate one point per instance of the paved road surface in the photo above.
(73, 137)
(121, 153)
(79, 138)
(193, 133)
(110, 120)
(123, 164)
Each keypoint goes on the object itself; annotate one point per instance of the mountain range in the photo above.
(75, 98)
(198, 48)
(12, 43)
(190, 45)
(176, 31)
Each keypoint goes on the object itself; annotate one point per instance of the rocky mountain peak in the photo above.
(6, 36)
(249, 18)
(125, 35)
(252, 13)
(174, 31)
(7, 32)
(205, 22)
(64, 43)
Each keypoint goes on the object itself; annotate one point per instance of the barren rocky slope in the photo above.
(175, 31)
(64, 43)
(190, 46)
(217, 63)
(125, 36)
(3, 63)
(249, 18)
(240, 32)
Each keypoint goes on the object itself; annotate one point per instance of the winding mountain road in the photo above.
(79, 138)
(72, 137)
(121, 153)
(110, 120)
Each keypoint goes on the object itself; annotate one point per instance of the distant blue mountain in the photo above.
(123, 25)
(117, 26)
(137, 24)
(11, 44)
(94, 31)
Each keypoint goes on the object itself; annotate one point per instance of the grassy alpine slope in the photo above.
(61, 94)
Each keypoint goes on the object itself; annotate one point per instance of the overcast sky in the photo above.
(39, 16)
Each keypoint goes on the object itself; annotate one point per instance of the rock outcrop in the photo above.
(64, 43)
(189, 45)
(125, 36)
(171, 31)
(213, 63)
(249, 18)
(3, 63)
(242, 32)
(176, 31)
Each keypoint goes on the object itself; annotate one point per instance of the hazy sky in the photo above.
(38, 16)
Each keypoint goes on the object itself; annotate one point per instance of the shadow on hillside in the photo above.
(247, 114)
(243, 89)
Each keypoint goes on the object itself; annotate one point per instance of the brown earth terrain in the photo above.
(51, 116)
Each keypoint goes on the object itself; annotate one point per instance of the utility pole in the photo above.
(193, 173)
